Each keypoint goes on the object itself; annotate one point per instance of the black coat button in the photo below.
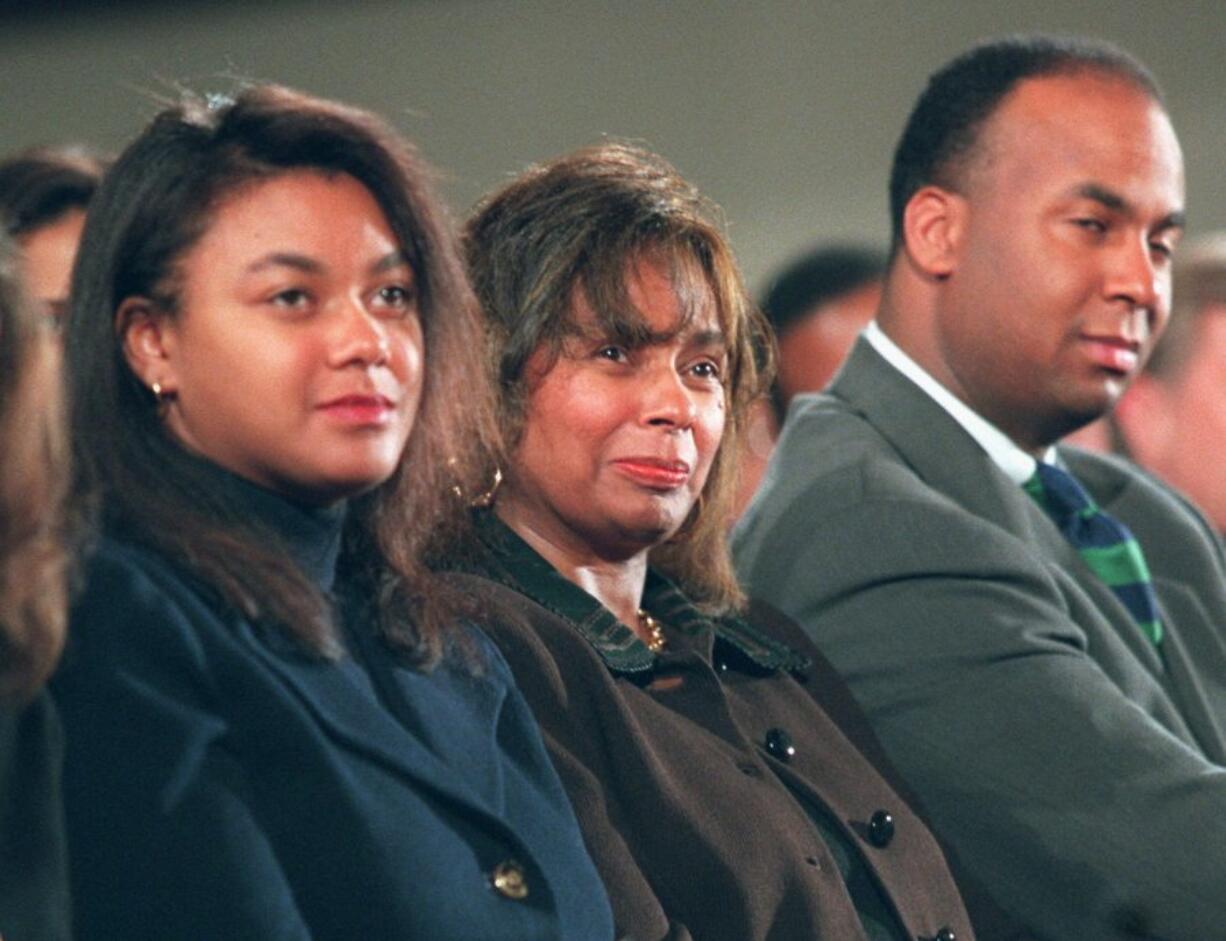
(945, 934)
(779, 745)
(881, 830)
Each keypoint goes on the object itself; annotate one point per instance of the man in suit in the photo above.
(1060, 715)
(1173, 419)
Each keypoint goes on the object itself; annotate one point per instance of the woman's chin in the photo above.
(644, 531)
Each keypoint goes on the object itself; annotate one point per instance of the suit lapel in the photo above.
(1196, 677)
(931, 442)
(949, 460)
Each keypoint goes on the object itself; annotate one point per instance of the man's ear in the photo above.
(933, 226)
(1143, 417)
(146, 334)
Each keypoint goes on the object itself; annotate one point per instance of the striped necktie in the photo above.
(1104, 543)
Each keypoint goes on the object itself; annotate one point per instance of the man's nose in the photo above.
(1138, 274)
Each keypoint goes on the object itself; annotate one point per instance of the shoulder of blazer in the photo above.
(133, 601)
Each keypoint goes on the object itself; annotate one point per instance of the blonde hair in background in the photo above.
(33, 486)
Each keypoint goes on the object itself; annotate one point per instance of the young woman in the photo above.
(277, 724)
(717, 796)
(33, 479)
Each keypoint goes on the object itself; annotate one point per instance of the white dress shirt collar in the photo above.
(1017, 465)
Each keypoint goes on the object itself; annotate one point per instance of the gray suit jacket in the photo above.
(1076, 772)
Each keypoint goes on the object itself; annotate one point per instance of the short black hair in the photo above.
(944, 125)
(819, 275)
(39, 185)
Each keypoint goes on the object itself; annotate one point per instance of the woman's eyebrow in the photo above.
(286, 260)
(391, 260)
(708, 338)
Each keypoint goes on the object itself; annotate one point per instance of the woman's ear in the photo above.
(933, 225)
(147, 336)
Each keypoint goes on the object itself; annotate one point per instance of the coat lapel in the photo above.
(352, 717)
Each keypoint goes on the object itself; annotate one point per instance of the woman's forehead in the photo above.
(650, 296)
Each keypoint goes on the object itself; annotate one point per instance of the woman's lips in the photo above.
(657, 473)
(359, 409)
(1114, 353)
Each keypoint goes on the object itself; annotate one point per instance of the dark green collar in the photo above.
(517, 565)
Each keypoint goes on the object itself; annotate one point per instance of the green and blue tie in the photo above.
(1104, 543)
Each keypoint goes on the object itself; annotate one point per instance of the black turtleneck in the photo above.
(311, 535)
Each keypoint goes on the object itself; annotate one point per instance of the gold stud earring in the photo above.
(161, 397)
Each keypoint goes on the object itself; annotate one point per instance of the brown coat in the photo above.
(699, 827)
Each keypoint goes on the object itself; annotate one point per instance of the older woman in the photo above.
(277, 724)
(33, 477)
(717, 796)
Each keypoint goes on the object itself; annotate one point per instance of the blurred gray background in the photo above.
(784, 113)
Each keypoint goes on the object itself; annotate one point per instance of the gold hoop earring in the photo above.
(485, 500)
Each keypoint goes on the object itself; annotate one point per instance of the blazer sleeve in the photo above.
(1062, 793)
(163, 840)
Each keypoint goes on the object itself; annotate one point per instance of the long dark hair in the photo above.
(33, 483)
(155, 204)
(579, 220)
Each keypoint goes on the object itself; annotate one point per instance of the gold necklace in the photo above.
(655, 633)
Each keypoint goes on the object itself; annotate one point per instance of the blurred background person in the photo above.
(44, 193)
(278, 724)
(817, 305)
(1173, 418)
(33, 479)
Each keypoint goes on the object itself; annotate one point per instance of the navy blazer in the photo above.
(218, 784)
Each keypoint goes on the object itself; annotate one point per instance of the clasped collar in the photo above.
(517, 565)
